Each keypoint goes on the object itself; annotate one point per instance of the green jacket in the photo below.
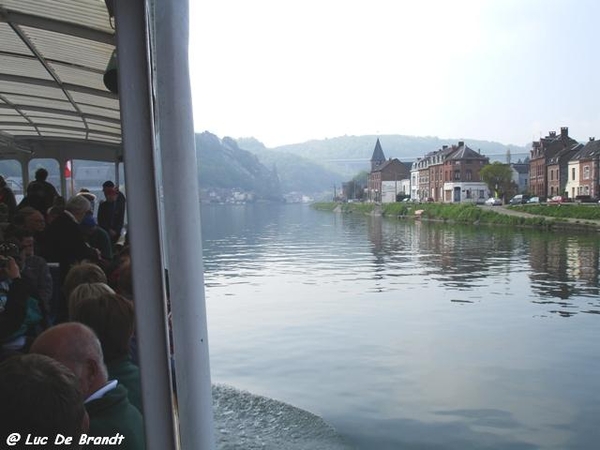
(113, 414)
(127, 374)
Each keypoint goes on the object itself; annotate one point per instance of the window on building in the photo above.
(469, 174)
(573, 173)
(551, 175)
(586, 172)
(457, 174)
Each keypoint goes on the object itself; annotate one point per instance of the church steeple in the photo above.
(378, 157)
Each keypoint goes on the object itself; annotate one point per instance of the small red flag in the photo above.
(68, 169)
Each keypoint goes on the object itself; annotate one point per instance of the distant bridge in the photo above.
(494, 156)
(344, 160)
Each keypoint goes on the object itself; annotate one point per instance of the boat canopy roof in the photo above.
(53, 102)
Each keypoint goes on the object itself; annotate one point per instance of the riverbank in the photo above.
(549, 217)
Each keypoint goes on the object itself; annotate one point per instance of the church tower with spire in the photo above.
(378, 157)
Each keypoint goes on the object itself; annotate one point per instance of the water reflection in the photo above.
(563, 267)
(245, 241)
(463, 257)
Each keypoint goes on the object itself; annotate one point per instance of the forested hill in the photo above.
(296, 174)
(223, 165)
(394, 146)
(405, 148)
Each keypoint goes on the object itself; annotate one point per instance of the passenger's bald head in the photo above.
(76, 346)
(69, 340)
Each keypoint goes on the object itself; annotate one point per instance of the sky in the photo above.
(288, 71)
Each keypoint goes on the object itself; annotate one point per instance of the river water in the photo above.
(404, 335)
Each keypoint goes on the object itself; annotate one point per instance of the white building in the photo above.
(391, 189)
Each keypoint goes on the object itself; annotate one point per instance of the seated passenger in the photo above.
(38, 395)
(77, 347)
(98, 238)
(7, 197)
(120, 276)
(87, 194)
(34, 271)
(53, 213)
(32, 221)
(111, 316)
(81, 273)
(19, 312)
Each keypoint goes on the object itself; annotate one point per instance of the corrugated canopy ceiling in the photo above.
(53, 55)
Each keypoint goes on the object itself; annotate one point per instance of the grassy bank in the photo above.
(567, 211)
(457, 213)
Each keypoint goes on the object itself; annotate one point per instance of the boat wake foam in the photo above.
(250, 422)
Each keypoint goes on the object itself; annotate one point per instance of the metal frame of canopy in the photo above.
(53, 104)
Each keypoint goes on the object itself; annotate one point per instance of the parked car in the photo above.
(480, 201)
(585, 199)
(556, 200)
(519, 199)
(534, 200)
(493, 201)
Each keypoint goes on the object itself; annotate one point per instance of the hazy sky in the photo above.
(287, 71)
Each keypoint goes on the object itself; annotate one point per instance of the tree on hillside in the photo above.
(358, 184)
(498, 178)
(361, 177)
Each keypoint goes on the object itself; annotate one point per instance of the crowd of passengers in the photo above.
(67, 356)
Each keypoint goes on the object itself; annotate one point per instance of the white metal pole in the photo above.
(117, 178)
(182, 224)
(63, 181)
(25, 173)
(143, 217)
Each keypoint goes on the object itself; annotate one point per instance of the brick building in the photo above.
(542, 152)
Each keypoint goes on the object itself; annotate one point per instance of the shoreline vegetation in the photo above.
(546, 217)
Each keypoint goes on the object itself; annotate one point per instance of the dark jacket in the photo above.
(36, 274)
(65, 244)
(13, 308)
(8, 198)
(113, 414)
(111, 216)
(40, 195)
(127, 374)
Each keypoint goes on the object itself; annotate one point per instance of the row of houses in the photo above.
(558, 165)
(450, 174)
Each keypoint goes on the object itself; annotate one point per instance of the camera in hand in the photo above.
(8, 250)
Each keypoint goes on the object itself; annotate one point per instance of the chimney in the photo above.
(564, 132)
(552, 133)
(444, 147)
(592, 138)
(461, 143)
